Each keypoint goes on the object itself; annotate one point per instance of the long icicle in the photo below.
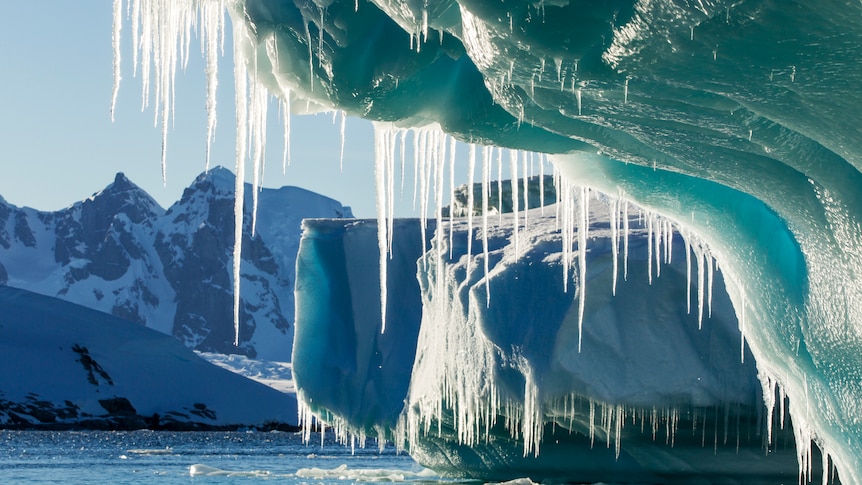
(115, 40)
(380, 137)
(438, 210)
(513, 166)
(285, 110)
(486, 176)
(213, 33)
(452, 144)
(500, 183)
(241, 100)
(583, 228)
(615, 240)
(471, 164)
(526, 181)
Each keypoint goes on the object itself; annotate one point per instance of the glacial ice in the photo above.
(502, 391)
(737, 120)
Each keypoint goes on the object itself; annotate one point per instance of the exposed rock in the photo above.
(118, 406)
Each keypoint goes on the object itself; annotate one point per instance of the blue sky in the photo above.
(59, 145)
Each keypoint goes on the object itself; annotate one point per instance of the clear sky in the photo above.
(59, 145)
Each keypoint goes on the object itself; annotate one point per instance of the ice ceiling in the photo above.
(740, 120)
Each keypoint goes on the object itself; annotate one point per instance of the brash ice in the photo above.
(738, 121)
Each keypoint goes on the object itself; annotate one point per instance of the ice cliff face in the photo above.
(121, 253)
(739, 120)
(656, 393)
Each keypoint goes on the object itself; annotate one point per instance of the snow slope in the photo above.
(65, 363)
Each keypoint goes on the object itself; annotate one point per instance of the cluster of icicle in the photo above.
(162, 31)
(434, 156)
(463, 391)
(161, 34)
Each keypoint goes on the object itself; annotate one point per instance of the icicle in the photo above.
(257, 130)
(615, 241)
(564, 216)
(403, 150)
(241, 100)
(136, 21)
(213, 33)
(669, 242)
(526, 187)
(649, 247)
(452, 144)
(471, 166)
(687, 275)
(578, 97)
(486, 176)
(115, 40)
(700, 274)
(709, 274)
(421, 165)
(415, 171)
(500, 183)
(320, 31)
(657, 233)
(390, 138)
(380, 134)
(146, 49)
(285, 103)
(626, 240)
(310, 57)
(583, 228)
(742, 327)
(438, 211)
(542, 183)
(513, 162)
(343, 128)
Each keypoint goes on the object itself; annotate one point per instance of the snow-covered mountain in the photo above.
(66, 365)
(119, 252)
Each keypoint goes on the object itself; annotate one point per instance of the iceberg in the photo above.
(661, 391)
(737, 120)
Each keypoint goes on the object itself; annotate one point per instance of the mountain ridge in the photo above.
(118, 251)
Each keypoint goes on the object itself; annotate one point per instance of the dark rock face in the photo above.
(5, 212)
(118, 406)
(198, 247)
(99, 229)
(119, 252)
(23, 233)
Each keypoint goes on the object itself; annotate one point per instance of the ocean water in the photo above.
(196, 458)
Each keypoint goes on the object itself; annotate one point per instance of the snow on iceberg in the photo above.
(737, 119)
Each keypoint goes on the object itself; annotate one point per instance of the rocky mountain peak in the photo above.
(123, 196)
(217, 181)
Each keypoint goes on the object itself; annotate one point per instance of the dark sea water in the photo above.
(100, 457)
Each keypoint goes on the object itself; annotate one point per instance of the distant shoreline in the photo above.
(135, 423)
